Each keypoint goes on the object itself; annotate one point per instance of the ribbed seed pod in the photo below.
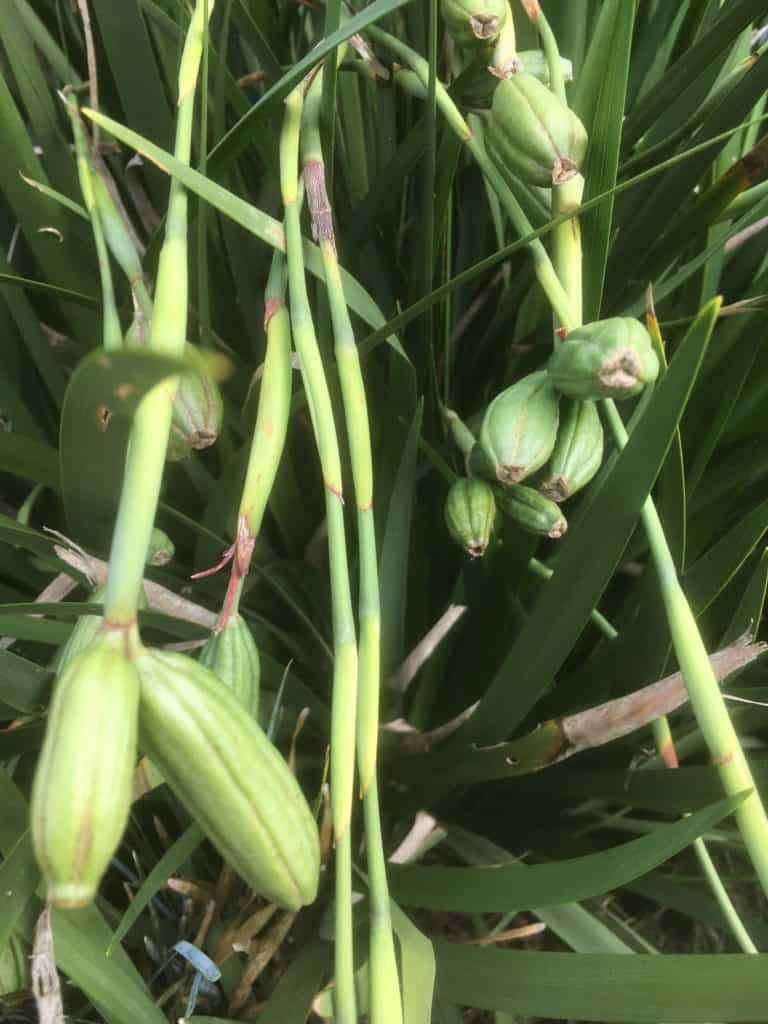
(533, 134)
(230, 778)
(197, 415)
(470, 512)
(518, 431)
(531, 511)
(233, 656)
(473, 23)
(578, 451)
(611, 358)
(81, 794)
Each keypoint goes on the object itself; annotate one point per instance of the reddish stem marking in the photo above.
(239, 554)
(270, 308)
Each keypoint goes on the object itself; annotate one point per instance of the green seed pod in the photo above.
(531, 511)
(15, 975)
(533, 134)
(233, 656)
(518, 431)
(197, 415)
(611, 358)
(577, 454)
(470, 511)
(222, 767)
(82, 791)
(473, 23)
(462, 436)
(161, 548)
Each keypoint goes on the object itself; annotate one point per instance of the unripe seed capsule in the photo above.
(518, 431)
(222, 767)
(611, 358)
(473, 23)
(82, 789)
(232, 655)
(470, 512)
(578, 451)
(198, 412)
(533, 134)
(531, 511)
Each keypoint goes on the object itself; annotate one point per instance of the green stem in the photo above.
(345, 649)
(149, 437)
(385, 1004)
(203, 303)
(551, 49)
(665, 745)
(274, 402)
(112, 335)
(542, 264)
(344, 996)
(566, 237)
(705, 696)
(268, 435)
(505, 50)
(385, 999)
(545, 573)
(120, 244)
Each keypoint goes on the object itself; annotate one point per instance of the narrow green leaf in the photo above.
(31, 460)
(291, 1001)
(50, 231)
(599, 101)
(394, 551)
(655, 789)
(749, 612)
(692, 63)
(23, 684)
(14, 820)
(114, 985)
(19, 876)
(133, 66)
(583, 931)
(53, 290)
(510, 887)
(596, 987)
(418, 968)
(708, 576)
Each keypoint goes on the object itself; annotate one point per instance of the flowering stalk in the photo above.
(345, 646)
(384, 1001)
(151, 427)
